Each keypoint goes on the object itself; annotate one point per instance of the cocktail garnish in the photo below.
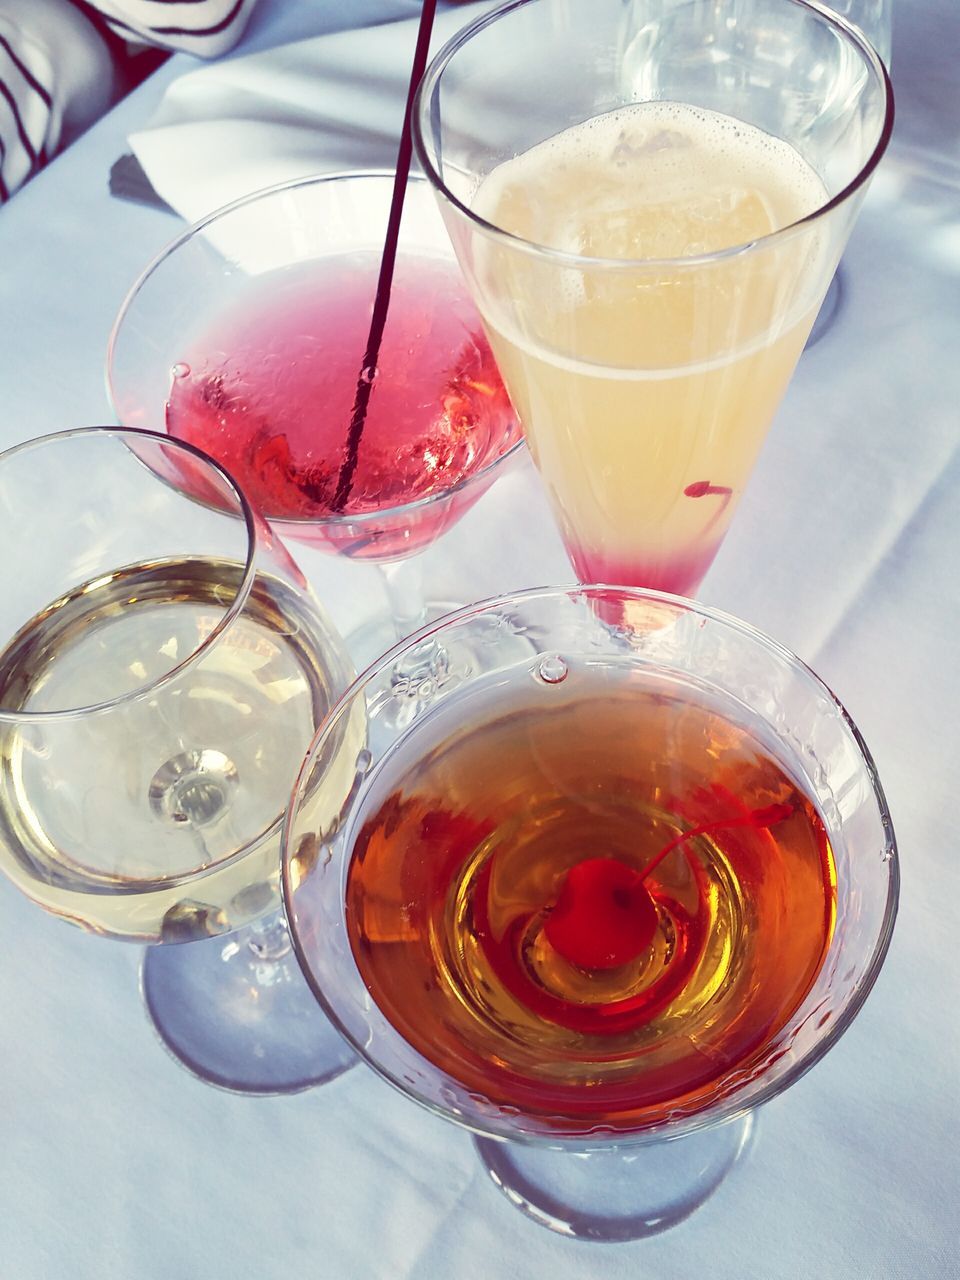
(605, 916)
(704, 489)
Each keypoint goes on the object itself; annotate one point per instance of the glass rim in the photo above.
(721, 1110)
(232, 612)
(562, 258)
(341, 520)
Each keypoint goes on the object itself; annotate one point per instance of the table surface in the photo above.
(115, 1163)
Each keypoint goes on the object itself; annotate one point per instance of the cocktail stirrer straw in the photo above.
(368, 370)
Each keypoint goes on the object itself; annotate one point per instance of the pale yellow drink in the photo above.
(646, 384)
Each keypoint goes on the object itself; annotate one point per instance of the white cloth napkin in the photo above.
(315, 105)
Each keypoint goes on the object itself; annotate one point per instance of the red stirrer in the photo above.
(368, 369)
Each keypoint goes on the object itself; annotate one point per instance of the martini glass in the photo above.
(163, 667)
(649, 202)
(246, 337)
(599, 902)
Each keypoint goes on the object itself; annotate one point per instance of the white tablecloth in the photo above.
(115, 1164)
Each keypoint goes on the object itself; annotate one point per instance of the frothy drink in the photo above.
(646, 375)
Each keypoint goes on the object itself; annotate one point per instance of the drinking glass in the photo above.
(247, 334)
(163, 668)
(875, 20)
(599, 902)
(649, 200)
(873, 17)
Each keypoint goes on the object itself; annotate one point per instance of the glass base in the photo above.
(240, 1016)
(624, 1193)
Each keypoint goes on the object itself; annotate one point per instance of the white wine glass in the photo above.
(163, 666)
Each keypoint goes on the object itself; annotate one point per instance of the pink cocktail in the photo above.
(269, 390)
(247, 339)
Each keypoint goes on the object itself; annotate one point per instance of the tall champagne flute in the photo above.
(246, 337)
(649, 201)
(163, 667)
(598, 902)
(875, 20)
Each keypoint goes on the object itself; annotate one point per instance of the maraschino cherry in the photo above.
(605, 916)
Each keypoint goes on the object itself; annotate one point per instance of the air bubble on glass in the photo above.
(552, 669)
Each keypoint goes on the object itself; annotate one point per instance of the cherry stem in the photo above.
(387, 262)
(760, 819)
(605, 915)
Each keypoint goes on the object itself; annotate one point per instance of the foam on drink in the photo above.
(655, 180)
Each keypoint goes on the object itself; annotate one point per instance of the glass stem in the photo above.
(269, 939)
(403, 584)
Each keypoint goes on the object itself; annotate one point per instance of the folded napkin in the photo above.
(317, 105)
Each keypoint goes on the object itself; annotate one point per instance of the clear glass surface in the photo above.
(873, 17)
(619, 1193)
(540, 649)
(568, 145)
(179, 320)
(163, 667)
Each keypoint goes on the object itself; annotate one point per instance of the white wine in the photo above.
(152, 809)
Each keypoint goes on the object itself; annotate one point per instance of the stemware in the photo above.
(163, 667)
(599, 902)
(874, 18)
(247, 334)
(649, 202)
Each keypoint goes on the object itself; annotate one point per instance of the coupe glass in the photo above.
(473, 922)
(646, 350)
(246, 336)
(163, 668)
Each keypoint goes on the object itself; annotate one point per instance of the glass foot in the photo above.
(625, 1193)
(236, 1011)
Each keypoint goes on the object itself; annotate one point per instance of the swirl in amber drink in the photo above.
(595, 898)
